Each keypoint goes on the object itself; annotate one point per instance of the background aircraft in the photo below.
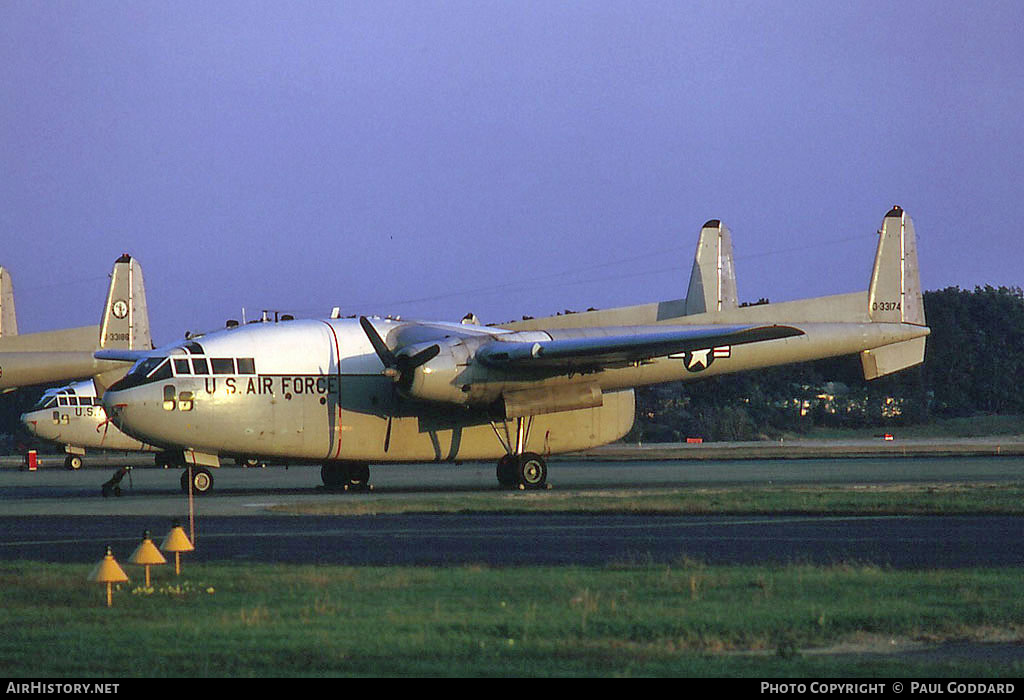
(347, 392)
(64, 355)
(8, 319)
(74, 417)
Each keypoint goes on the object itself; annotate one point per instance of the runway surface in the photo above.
(55, 515)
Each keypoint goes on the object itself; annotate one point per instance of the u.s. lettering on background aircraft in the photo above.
(348, 393)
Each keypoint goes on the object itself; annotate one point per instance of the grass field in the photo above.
(993, 498)
(630, 619)
(971, 427)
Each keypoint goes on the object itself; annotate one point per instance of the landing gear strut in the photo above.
(520, 469)
(346, 476)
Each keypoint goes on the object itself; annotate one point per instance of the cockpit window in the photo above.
(161, 372)
(182, 367)
(246, 365)
(195, 348)
(200, 366)
(151, 369)
(223, 365)
(45, 402)
(146, 366)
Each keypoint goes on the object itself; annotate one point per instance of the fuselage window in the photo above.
(200, 366)
(246, 365)
(182, 367)
(223, 365)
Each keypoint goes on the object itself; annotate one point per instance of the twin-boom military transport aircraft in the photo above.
(350, 392)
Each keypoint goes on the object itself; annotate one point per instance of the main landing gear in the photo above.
(520, 469)
(346, 476)
(202, 480)
(527, 471)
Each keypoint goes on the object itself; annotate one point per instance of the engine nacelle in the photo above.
(454, 376)
(451, 376)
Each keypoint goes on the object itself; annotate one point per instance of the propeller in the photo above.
(399, 367)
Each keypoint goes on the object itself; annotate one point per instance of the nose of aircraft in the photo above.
(28, 420)
(113, 404)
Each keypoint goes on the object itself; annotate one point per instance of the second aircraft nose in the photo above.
(29, 422)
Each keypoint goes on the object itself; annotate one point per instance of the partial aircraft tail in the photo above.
(8, 321)
(125, 324)
(713, 278)
(895, 295)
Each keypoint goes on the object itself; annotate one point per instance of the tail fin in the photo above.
(713, 278)
(8, 321)
(895, 295)
(125, 324)
(895, 292)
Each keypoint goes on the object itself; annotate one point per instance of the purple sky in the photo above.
(507, 158)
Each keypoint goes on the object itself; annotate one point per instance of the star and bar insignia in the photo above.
(700, 360)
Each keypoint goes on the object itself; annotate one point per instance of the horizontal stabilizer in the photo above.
(892, 358)
(642, 344)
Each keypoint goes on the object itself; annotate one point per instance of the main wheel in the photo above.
(202, 480)
(345, 475)
(531, 471)
(507, 471)
(73, 462)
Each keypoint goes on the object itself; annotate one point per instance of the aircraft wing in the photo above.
(631, 345)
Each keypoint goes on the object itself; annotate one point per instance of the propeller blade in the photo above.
(408, 363)
(379, 346)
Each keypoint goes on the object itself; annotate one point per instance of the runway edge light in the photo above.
(108, 571)
(147, 555)
(177, 541)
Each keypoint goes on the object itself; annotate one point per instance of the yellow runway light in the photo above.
(109, 572)
(146, 554)
(177, 541)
